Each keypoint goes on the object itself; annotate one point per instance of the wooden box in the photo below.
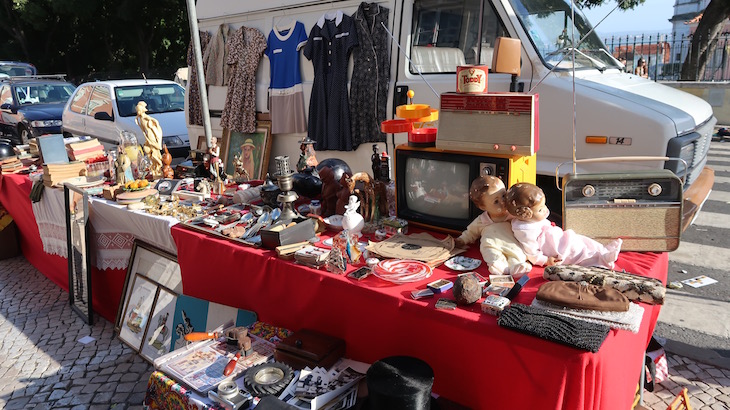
(302, 231)
(309, 348)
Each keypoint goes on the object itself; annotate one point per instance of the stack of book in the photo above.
(11, 164)
(56, 173)
(85, 150)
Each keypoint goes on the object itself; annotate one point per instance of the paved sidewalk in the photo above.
(44, 366)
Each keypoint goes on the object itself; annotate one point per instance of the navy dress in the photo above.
(329, 45)
(370, 75)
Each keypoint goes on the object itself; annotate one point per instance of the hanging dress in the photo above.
(195, 109)
(286, 98)
(245, 48)
(217, 72)
(329, 45)
(370, 74)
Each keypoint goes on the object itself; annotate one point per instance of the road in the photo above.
(696, 321)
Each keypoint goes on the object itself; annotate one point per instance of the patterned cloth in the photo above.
(195, 112)
(370, 75)
(330, 42)
(245, 48)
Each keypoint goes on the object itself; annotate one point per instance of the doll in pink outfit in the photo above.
(546, 244)
(492, 229)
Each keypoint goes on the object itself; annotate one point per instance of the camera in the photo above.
(230, 396)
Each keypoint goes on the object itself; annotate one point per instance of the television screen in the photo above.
(437, 188)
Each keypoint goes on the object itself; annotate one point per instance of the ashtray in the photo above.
(334, 222)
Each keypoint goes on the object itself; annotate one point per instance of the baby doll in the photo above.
(499, 248)
(546, 244)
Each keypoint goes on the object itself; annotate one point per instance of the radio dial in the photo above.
(496, 147)
(655, 189)
(589, 191)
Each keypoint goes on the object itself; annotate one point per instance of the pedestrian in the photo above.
(641, 69)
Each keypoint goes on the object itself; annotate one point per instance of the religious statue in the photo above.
(123, 167)
(153, 138)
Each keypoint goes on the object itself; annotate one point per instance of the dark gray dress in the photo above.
(371, 74)
(329, 45)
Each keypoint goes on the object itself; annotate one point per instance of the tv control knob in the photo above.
(588, 191)
(655, 189)
(496, 147)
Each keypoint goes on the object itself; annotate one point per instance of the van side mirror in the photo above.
(103, 116)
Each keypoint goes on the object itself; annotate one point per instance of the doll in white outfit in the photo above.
(499, 248)
(546, 244)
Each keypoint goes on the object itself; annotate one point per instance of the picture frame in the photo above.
(137, 310)
(234, 142)
(154, 264)
(76, 203)
(157, 339)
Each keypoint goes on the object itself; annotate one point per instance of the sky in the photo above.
(651, 17)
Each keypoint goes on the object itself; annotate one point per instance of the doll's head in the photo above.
(488, 194)
(527, 202)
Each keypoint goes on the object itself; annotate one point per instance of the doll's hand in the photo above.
(459, 243)
(554, 260)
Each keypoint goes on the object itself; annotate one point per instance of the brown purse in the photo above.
(581, 295)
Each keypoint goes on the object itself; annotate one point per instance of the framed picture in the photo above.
(158, 337)
(76, 202)
(137, 312)
(154, 264)
(251, 150)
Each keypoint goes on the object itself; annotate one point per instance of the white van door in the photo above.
(440, 35)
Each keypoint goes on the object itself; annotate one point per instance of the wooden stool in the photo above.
(681, 402)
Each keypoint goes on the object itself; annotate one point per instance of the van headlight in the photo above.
(172, 141)
(682, 147)
(46, 123)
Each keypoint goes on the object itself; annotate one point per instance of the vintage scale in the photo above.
(418, 120)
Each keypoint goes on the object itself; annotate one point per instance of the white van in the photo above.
(636, 116)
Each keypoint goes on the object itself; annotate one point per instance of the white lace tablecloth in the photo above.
(113, 229)
(50, 215)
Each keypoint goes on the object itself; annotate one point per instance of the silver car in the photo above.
(103, 109)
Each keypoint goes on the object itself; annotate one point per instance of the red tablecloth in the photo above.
(106, 285)
(476, 362)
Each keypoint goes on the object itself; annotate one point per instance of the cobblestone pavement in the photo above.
(42, 363)
(44, 366)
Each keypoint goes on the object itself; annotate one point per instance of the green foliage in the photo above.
(625, 5)
(109, 39)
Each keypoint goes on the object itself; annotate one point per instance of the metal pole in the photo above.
(479, 35)
(198, 53)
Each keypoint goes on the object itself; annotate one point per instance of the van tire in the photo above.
(24, 135)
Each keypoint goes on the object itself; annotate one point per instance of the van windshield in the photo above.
(549, 25)
(159, 98)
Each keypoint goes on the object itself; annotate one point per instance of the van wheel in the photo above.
(24, 134)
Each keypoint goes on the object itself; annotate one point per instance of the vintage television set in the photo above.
(432, 184)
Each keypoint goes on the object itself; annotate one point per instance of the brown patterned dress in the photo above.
(245, 49)
(195, 112)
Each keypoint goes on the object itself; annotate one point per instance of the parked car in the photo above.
(16, 68)
(32, 106)
(103, 109)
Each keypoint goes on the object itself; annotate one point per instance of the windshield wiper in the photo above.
(567, 50)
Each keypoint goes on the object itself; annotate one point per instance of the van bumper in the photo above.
(696, 195)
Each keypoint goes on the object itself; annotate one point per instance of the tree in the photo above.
(704, 39)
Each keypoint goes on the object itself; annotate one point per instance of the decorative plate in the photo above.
(84, 182)
(402, 270)
(462, 263)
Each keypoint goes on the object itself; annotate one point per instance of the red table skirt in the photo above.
(476, 362)
(106, 285)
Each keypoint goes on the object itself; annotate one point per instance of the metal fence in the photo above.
(666, 53)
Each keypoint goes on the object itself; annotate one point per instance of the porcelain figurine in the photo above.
(353, 221)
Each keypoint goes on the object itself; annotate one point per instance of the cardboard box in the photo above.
(309, 348)
(302, 231)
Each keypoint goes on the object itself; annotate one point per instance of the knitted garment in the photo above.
(557, 328)
(630, 320)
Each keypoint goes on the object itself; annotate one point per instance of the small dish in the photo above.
(334, 222)
(462, 263)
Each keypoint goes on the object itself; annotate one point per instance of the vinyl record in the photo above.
(268, 379)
